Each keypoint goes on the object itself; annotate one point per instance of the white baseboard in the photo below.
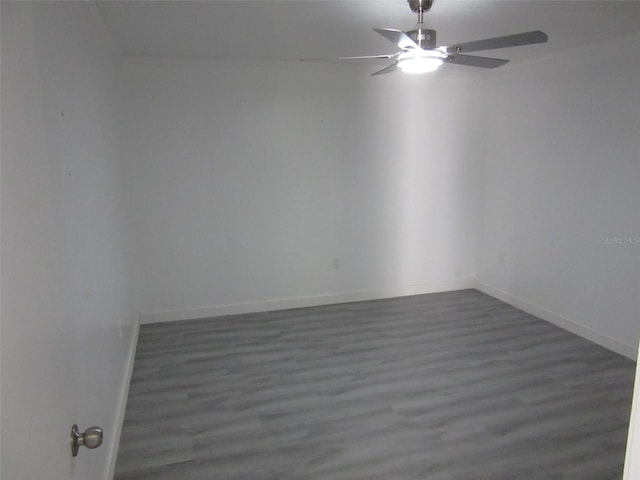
(312, 301)
(632, 457)
(627, 350)
(114, 443)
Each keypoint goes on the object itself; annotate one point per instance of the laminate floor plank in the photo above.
(446, 386)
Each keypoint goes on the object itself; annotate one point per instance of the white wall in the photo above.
(67, 316)
(559, 196)
(259, 187)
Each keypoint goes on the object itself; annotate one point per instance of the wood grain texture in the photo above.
(445, 386)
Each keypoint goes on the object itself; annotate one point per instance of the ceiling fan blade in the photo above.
(527, 38)
(363, 57)
(473, 61)
(398, 37)
(369, 57)
(391, 68)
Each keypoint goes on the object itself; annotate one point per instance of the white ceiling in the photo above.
(287, 30)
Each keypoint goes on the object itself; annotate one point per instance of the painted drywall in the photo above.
(68, 318)
(559, 203)
(258, 186)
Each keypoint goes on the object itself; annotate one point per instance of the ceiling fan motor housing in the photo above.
(420, 5)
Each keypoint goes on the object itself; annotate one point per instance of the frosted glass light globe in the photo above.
(419, 61)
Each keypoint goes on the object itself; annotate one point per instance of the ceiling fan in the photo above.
(419, 53)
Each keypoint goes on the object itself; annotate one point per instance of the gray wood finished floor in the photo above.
(454, 386)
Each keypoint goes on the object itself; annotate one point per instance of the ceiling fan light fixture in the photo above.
(419, 62)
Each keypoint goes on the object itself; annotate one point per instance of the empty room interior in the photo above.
(241, 265)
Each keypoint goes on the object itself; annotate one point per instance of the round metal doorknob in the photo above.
(91, 438)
